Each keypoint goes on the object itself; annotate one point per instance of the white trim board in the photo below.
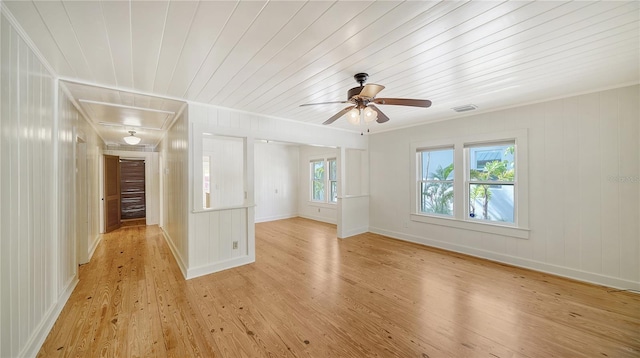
(514, 261)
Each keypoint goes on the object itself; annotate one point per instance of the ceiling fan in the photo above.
(362, 100)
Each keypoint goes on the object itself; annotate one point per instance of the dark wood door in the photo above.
(132, 194)
(112, 192)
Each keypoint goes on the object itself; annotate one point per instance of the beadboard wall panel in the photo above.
(276, 181)
(38, 133)
(174, 150)
(584, 191)
(30, 277)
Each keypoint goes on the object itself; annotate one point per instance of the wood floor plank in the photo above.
(310, 294)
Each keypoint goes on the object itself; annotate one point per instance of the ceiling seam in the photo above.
(279, 51)
(75, 35)
(106, 31)
(164, 29)
(261, 48)
(314, 47)
(232, 48)
(184, 94)
(54, 39)
(184, 42)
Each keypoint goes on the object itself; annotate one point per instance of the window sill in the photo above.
(322, 204)
(511, 231)
(207, 210)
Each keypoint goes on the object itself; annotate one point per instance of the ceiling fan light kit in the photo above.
(132, 139)
(362, 99)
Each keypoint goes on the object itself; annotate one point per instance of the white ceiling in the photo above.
(270, 57)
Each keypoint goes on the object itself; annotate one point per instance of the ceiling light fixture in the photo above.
(132, 139)
(357, 116)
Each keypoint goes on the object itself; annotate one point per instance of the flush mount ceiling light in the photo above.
(132, 139)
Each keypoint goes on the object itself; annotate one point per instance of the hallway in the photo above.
(310, 294)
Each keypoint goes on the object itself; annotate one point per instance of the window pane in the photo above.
(491, 202)
(318, 170)
(206, 197)
(332, 169)
(317, 192)
(334, 191)
(436, 197)
(492, 163)
(436, 164)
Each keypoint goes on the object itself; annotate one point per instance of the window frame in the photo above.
(326, 180)
(420, 180)
(460, 219)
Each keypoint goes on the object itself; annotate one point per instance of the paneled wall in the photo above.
(584, 187)
(276, 181)
(174, 151)
(38, 130)
(324, 212)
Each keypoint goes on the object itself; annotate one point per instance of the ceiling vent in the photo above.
(465, 108)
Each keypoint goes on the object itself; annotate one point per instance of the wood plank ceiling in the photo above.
(271, 56)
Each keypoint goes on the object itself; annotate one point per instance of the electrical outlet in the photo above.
(318, 209)
(235, 245)
(405, 224)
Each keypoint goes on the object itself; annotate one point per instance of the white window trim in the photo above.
(520, 228)
(327, 183)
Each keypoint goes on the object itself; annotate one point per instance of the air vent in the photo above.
(465, 108)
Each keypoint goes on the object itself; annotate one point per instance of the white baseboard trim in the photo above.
(41, 332)
(175, 252)
(274, 218)
(218, 266)
(318, 218)
(94, 246)
(567, 272)
(354, 232)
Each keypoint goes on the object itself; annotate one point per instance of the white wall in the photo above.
(152, 179)
(212, 232)
(174, 149)
(584, 187)
(38, 130)
(276, 181)
(324, 212)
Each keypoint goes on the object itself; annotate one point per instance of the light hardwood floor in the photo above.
(310, 294)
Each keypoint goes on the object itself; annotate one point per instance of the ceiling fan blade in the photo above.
(381, 116)
(425, 103)
(338, 115)
(313, 104)
(370, 90)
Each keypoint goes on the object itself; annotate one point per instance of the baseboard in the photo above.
(219, 266)
(567, 272)
(34, 343)
(318, 218)
(93, 247)
(175, 252)
(354, 232)
(274, 218)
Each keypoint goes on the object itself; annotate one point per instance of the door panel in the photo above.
(112, 192)
(132, 189)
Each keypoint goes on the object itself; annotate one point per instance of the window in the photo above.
(333, 182)
(491, 182)
(324, 188)
(486, 192)
(435, 184)
(317, 181)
